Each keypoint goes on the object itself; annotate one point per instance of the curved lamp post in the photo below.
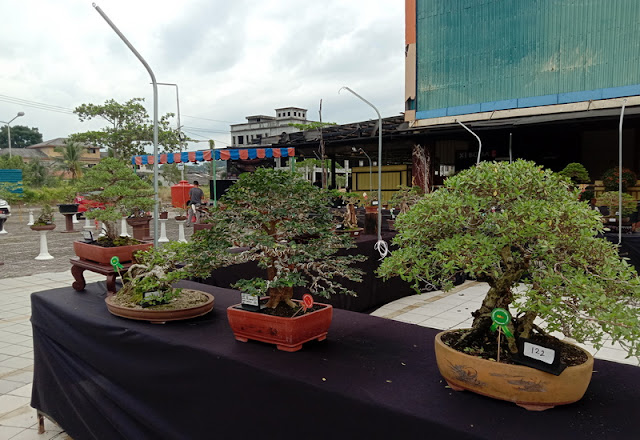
(9, 130)
(380, 246)
(155, 120)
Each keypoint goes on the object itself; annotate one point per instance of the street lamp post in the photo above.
(370, 173)
(178, 111)
(9, 130)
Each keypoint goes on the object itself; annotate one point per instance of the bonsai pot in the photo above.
(140, 227)
(287, 333)
(527, 387)
(181, 217)
(68, 208)
(103, 255)
(391, 224)
(164, 215)
(371, 209)
(201, 226)
(43, 227)
(159, 316)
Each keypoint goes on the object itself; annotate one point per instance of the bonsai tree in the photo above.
(517, 225)
(282, 222)
(45, 217)
(576, 172)
(405, 197)
(611, 179)
(611, 199)
(122, 192)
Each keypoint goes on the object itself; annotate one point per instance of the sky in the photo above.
(230, 59)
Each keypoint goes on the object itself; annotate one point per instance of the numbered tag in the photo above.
(250, 300)
(539, 353)
(307, 300)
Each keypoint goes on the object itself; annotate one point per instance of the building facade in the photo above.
(259, 127)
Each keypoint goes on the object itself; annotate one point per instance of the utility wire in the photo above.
(208, 119)
(34, 104)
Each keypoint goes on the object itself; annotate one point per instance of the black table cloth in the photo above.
(373, 292)
(104, 377)
(629, 248)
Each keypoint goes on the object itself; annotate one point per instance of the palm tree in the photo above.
(37, 173)
(70, 160)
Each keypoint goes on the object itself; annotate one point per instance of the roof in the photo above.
(24, 152)
(57, 142)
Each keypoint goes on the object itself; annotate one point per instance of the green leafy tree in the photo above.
(11, 163)
(286, 226)
(171, 173)
(507, 224)
(70, 162)
(130, 130)
(576, 172)
(35, 173)
(21, 136)
(114, 184)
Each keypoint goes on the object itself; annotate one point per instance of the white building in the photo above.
(261, 126)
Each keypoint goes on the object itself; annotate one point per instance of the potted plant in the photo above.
(120, 192)
(611, 179)
(522, 230)
(349, 220)
(403, 199)
(610, 200)
(148, 294)
(281, 221)
(45, 221)
(579, 176)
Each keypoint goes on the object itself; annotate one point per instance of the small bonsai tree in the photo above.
(45, 217)
(576, 172)
(405, 197)
(284, 224)
(611, 200)
(122, 192)
(611, 179)
(507, 224)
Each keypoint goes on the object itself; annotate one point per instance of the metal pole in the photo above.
(510, 143)
(370, 168)
(624, 103)
(178, 110)
(9, 130)
(381, 246)
(479, 141)
(155, 121)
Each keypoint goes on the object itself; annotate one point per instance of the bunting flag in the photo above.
(209, 155)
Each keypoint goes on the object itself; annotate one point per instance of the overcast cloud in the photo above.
(230, 59)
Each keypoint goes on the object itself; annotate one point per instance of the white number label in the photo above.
(542, 354)
(249, 299)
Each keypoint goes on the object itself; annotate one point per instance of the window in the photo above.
(266, 134)
(234, 140)
(295, 113)
(240, 140)
(288, 113)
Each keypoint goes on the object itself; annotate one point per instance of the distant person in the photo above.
(195, 200)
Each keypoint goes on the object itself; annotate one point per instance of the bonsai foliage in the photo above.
(285, 225)
(115, 184)
(611, 179)
(576, 172)
(405, 197)
(149, 281)
(45, 217)
(611, 199)
(517, 225)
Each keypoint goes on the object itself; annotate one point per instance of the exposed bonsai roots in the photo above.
(282, 294)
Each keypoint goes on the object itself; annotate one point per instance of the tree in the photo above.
(129, 130)
(35, 173)
(517, 225)
(70, 161)
(171, 173)
(21, 136)
(11, 163)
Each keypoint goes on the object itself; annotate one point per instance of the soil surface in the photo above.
(285, 311)
(187, 299)
(570, 355)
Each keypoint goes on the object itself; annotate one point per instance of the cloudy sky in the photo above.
(230, 59)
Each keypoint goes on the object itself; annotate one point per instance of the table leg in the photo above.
(79, 283)
(40, 422)
(111, 284)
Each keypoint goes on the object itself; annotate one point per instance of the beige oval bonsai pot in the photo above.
(527, 387)
(160, 316)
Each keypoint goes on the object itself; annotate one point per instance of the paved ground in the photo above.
(21, 275)
(20, 245)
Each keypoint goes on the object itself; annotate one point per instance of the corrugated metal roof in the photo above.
(493, 52)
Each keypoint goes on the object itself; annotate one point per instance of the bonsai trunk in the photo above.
(278, 294)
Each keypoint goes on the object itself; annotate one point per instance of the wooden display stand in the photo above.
(78, 266)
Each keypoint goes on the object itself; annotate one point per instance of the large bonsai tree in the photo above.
(285, 225)
(517, 225)
(122, 192)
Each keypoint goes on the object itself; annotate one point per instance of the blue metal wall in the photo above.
(11, 180)
(484, 55)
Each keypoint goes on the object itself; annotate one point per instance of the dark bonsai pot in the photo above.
(68, 208)
(43, 227)
(164, 215)
(103, 255)
(140, 226)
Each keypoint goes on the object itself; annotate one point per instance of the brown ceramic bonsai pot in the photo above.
(200, 226)
(180, 217)
(43, 227)
(140, 227)
(159, 316)
(164, 215)
(527, 387)
(287, 333)
(99, 254)
(371, 209)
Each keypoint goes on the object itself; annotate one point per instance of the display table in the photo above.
(104, 377)
(373, 292)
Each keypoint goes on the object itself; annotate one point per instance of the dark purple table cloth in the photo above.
(104, 377)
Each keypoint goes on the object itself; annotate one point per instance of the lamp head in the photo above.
(20, 113)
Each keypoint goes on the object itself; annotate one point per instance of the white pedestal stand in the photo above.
(181, 237)
(101, 230)
(87, 224)
(163, 231)
(2, 229)
(44, 248)
(75, 218)
(30, 217)
(123, 228)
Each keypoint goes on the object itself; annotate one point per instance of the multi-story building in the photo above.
(258, 127)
